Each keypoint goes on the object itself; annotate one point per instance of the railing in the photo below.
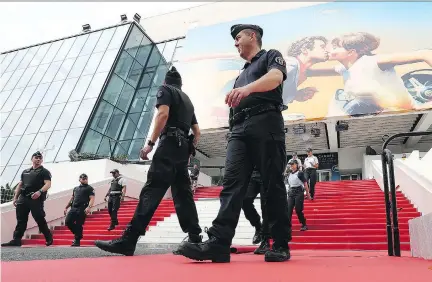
(392, 222)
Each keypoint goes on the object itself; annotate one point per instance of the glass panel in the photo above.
(52, 52)
(134, 74)
(118, 37)
(143, 125)
(81, 88)
(160, 47)
(106, 146)
(39, 144)
(37, 120)
(93, 63)
(3, 118)
(52, 92)
(9, 57)
(51, 72)
(169, 50)
(8, 149)
(21, 150)
(28, 57)
(154, 59)
(134, 149)
(53, 145)
(25, 98)
(160, 75)
(40, 54)
(90, 44)
(67, 115)
(104, 40)
(96, 85)
(78, 67)
(130, 126)
(26, 77)
(2, 142)
(10, 123)
(16, 60)
(13, 98)
(102, 117)
(66, 90)
(77, 46)
(139, 101)
(53, 116)
(64, 69)
(113, 90)
(13, 80)
(2, 56)
(4, 79)
(23, 122)
(150, 102)
(66, 46)
(122, 147)
(38, 95)
(91, 142)
(107, 61)
(143, 53)
(134, 41)
(115, 123)
(83, 113)
(124, 64)
(40, 72)
(125, 98)
(18, 175)
(69, 143)
(147, 78)
(9, 174)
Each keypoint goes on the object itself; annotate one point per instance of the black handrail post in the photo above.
(396, 237)
(387, 205)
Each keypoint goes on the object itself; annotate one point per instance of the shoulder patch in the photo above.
(280, 61)
(160, 94)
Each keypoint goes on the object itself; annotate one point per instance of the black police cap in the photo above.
(235, 29)
(173, 77)
(114, 171)
(83, 175)
(37, 154)
(291, 162)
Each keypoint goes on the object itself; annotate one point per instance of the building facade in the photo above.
(93, 92)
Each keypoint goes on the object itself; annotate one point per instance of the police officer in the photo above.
(169, 167)
(297, 185)
(257, 139)
(115, 195)
(30, 195)
(261, 229)
(81, 202)
(311, 164)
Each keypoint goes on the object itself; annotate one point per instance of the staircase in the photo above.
(344, 215)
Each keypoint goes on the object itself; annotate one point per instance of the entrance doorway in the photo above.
(355, 176)
(323, 175)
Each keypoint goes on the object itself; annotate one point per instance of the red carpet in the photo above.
(346, 215)
(328, 266)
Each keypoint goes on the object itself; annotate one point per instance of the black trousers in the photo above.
(258, 141)
(296, 201)
(75, 220)
(256, 187)
(24, 206)
(113, 207)
(168, 168)
(311, 177)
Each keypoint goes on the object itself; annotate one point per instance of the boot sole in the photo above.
(107, 249)
(217, 258)
(276, 259)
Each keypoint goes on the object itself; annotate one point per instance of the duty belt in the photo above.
(174, 132)
(249, 112)
(115, 193)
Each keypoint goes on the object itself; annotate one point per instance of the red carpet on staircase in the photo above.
(345, 215)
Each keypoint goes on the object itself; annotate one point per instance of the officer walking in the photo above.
(262, 233)
(311, 164)
(30, 195)
(115, 195)
(257, 139)
(297, 184)
(81, 202)
(169, 167)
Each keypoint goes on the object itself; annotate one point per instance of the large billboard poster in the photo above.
(343, 59)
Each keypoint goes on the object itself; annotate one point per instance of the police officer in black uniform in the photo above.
(257, 139)
(169, 167)
(30, 195)
(115, 195)
(81, 203)
(262, 234)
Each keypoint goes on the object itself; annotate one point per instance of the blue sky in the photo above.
(407, 23)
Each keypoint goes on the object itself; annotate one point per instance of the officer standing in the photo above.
(297, 184)
(169, 167)
(115, 195)
(257, 139)
(311, 164)
(262, 234)
(30, 195)
(81, 202)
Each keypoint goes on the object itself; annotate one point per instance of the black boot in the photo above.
(277, 254)
(263, 248)
(304, 228)
(192, 238)
(111, 227)
(76, 243)
(125, 245)
(49, 240)
(212, 249)
(12, 243)
(257, 237)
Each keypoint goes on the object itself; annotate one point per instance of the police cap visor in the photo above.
(37, 155)
(235, 29)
